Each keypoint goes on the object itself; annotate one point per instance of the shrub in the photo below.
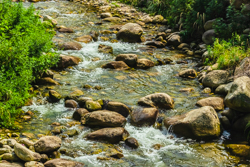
(228, 54)
(25, 51)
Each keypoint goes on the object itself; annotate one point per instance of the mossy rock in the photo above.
(93, 105)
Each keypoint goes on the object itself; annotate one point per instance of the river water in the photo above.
(126, 87)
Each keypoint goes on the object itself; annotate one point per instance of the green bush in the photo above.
(228, 54)
(25, 51)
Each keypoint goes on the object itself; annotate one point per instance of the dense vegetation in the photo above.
(189, 16)
(25, 51)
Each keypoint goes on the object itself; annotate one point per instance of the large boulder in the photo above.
(104, 118)
(118, 107)
(209, 24)
(243, 69)
(223, 89)
(202, 123)
(145, 63)
(26, 154)
(70, 46)
(208, 37)
(216, 102)
(188, 73)
(238, 3)
(129, 59)
(111, 135)
(238, 97)
(145, 116)
(118, 65)
(174, 39)
(158, 100)
(48, 144)
(79, 113)
(59, 162)
(215, 78)
(130, 32)
(66, 61)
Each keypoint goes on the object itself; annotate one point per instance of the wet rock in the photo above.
(202, 123)
(54, 96)
(216, 102)
(207, 90)
(94, 35)
(65, 30)
(71, 132)
(67, 61)
(158, 19)
(157, 44)
(208, 37)
(75, 94)
(112, 19)
(147, 19)
(11, 142)
(85, 39)
(110, 135)
(239, 149)
(225, 122)
(59, 162)
(70, 46)
(223, 89)
(130, 32)
(129, 59)
(118, 107)
(50, 19)
(8, 164)
(25, 154)
(145, 63)
(118, 65)
(243, 69)
(215, 78)
(46, 81)
(57, 130)
(82, 101)
(209, 24)
(26, 142)
(167, 60)
(114, 153)
(238, 97)
(158, 100)
(186, 90)
(145, 116)
(104, 118)
(105, 49)
(48, 144)
(105, 15)
(10, 157)
(132, 142)
(33, 164)
(70, 104)
(91, 105)
(79, 113)
(174, 40)
(188, 73)
(183, 45)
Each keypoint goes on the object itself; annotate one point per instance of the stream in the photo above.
(128, 87)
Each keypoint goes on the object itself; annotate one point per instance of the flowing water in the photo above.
(126, 87)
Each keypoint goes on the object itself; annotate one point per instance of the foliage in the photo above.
(228, 54)
(25, 51)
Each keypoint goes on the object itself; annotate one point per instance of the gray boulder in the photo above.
(130, 32)
(215, 78)
(26, 154)
(48, 144)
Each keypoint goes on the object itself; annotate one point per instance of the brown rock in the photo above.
(216, 102)
(71, 46)
(85, 39)
(111, 135)
(25, 154)
(67, 61)
(119, 108)
(70, 104)
(129, 59)
(202, 123)
(239, 150)
(105, 49)
(59, 162)
(130, 32)
(104, 118)
(65, 30)
(118, 65)
(188, 73)
(159, 100)
(132, 142)
(79, 113)
(48, 144)
(145, 116)
(46, 81)
(145, 63)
